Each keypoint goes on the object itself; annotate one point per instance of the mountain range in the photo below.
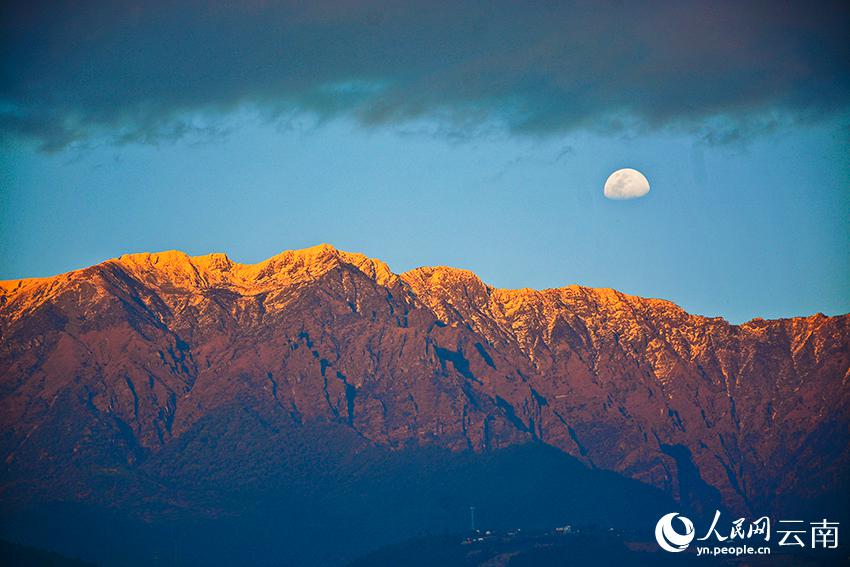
(320, 388)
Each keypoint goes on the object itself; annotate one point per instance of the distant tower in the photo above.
(472, 518)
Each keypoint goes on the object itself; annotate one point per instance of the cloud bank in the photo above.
(136, 71)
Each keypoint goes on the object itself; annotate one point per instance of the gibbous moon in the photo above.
(626, 184)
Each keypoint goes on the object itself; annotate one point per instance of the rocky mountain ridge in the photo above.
(108, 367)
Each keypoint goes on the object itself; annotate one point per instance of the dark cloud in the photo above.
(136, 70)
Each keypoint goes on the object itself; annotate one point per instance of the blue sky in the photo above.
(431, 140)
(738, 231)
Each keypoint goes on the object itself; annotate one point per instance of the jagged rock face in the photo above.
(105, 367)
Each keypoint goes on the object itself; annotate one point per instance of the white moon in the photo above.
(626, 184)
